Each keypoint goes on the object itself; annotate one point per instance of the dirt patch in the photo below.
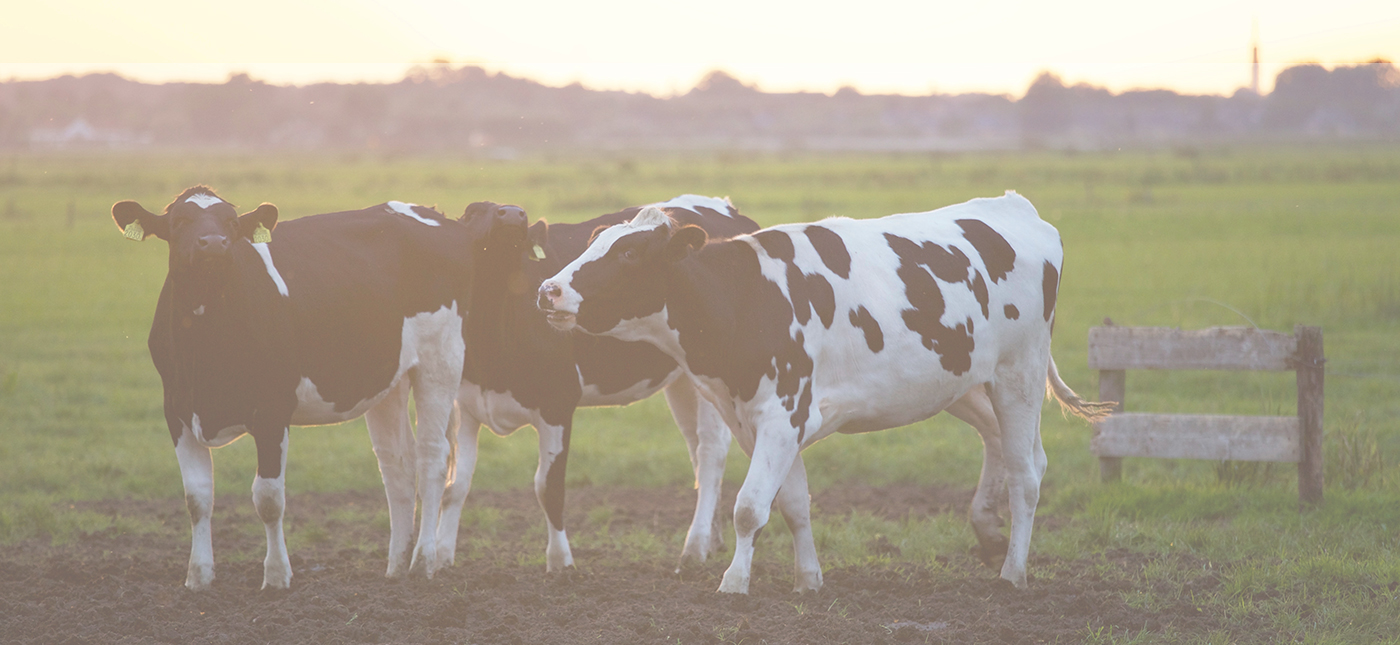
(114, 587)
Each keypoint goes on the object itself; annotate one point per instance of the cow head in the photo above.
(620, 276)
(200, 227)
(494, 226)
(504, 248)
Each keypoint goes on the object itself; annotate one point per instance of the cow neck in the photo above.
(213, 320)
(702, 296)
(496, 314)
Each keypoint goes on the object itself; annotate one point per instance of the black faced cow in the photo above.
(521, 372)
(803, 330)
(334, 317)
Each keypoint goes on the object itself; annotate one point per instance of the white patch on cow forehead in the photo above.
(407, 209)
(608, 237)
(203, 200)
(694, 202)
(266, 256)
(650, 217)
(599, 248)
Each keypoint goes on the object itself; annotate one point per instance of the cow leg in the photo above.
(434, 398)
(975, 408)
(392, 438)
(549, 488)
(197, 473)
(270, 500)
(707, 437)
(467, 429)
(1016, 397)
(774, 454)
(795, 503)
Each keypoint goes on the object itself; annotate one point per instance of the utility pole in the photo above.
(1254, 69)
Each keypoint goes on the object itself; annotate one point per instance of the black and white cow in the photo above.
(519, 371)
(803, 330)
(332, 318)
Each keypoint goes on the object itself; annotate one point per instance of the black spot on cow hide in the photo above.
(832, 250)
(996, 253)
(777, 245)
(1050, 285)
(822, 297)
(765, 346)
(808, 291)
(1012, 313)
(874, 337)
(954, 345)
(979, 289)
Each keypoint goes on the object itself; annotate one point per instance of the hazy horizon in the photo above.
(888, 47)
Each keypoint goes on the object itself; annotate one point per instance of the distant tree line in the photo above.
(466, 109)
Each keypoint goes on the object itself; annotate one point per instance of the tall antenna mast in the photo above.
(1254, 68)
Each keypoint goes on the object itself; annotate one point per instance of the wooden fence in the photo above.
(1113, 350)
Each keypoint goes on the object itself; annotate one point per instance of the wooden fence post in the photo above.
(1309, 367)
(1113, 386)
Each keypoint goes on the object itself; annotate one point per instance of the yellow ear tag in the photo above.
(261, 235)
(133, 231)
(538, 252)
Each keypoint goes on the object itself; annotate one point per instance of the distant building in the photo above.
(81, 134)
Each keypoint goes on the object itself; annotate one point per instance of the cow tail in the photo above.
(1071, 403)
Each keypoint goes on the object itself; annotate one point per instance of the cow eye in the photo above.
(629, 255)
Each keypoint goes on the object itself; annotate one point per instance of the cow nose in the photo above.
(512, 215)
(549, 292)
(216, 244)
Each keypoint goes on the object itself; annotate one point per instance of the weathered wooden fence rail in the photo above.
(1113, 350)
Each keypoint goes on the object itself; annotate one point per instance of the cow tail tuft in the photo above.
(454, 421)
(1072, 403)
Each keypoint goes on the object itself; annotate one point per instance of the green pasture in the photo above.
(1190, 238)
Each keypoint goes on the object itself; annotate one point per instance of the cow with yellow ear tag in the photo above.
(336, 316)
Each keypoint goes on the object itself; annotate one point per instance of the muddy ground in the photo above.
(112, 587)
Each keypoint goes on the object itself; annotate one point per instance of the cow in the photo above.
(519, 371)
(803, 330)
(334, 317)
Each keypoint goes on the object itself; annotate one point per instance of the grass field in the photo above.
(1189, 238)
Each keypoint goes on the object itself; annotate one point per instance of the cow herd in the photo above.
(776, 337)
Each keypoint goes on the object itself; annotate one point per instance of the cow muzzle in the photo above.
(214, 245)
(550, 295)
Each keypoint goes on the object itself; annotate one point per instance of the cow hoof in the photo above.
(199, 578)
(424, 562)
(447, 555)
(691, 556)
(554, 564)
(992, 552)
(734, 584)
(277, 573)
(420, 569)
(1009, 584)
(564, 576)
(811, 581)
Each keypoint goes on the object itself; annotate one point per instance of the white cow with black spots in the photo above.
(804, 330)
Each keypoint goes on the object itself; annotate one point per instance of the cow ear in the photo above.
(257, 226)
(475, 209)
(137, 223)
(537, 236)
(685, 241)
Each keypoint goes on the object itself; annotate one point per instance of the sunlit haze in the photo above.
(663, 48)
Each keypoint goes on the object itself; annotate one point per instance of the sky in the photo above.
(664, 47)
